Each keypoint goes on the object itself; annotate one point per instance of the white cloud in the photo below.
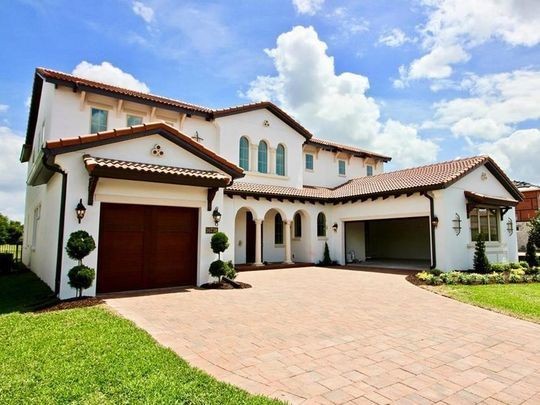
(3, 108)
(517, 154)
(143, 11)
(12, 181)
(309, 7)
(393, 38)
(333, 105)
(107, 73)
(347, 25)
(496, 104)
(455, 26)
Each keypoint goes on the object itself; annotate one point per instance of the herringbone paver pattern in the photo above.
(314, 335)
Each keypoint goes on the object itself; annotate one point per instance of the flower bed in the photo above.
(501, 273)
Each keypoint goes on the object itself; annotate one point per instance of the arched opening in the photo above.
(280, 160)
(321, 225)
(301, 237)
(262, 162)
(244, 236)
(273, 237)
(244, 153)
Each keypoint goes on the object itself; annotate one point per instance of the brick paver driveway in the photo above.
(334, 336)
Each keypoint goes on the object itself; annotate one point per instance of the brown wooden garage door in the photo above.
(144, 246)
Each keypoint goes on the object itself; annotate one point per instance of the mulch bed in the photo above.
(411, 278)
(224, 285)
(71, 303)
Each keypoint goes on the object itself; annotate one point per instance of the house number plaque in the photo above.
(211, 229)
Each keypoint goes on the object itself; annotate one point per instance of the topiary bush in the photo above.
(530, 254)
(230, 271)
(481, 262)
(79, 245)
(219, 243)
(326, 261)
(217, 269)
(81, 278)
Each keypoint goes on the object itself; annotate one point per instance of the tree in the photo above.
(4, 225)
(530, 254)
(326, 261)
(218, 268)
(79, 245)
(534, 229)
(481, 262)
(10, 231)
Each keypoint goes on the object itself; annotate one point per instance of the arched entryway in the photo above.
(245, 236)
(301, 235)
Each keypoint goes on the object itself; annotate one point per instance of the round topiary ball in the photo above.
(79, 245)
(81, 277)
(217, 269)
(219, 242)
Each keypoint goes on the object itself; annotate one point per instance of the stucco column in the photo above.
(258, 225)
(287, 226)
(272, 161)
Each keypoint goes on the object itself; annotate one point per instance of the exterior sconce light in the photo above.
(80, 210)
(335, 227)
(216, 215)
(435, 222)
(456, 224)
(510, 226)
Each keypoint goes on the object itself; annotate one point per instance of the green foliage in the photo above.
(219, 243)
(523, 264)
(217, 269)
(230, 271)
(10, 231)
(451, 277)
(532, 270)
(435, 272)
(424, 275)
(534, 230)
(501, 267)
(516, 265)
(81, 278)
(496, 278)
(515, 278)
(79, 245)
(530, 254)
(481, 262)
(326, 261)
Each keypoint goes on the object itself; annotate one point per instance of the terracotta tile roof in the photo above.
(525, 186)
(417, 179)
(92, 162)
(264, 105)
(86, 141)
(53, 75)
(346, 148)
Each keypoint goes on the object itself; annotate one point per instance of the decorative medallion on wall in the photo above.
(157, 151)
(483, 176)
(266, 123)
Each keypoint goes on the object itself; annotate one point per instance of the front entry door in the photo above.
(250, 238)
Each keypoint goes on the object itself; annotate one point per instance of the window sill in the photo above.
(342, 175)
(267, 175)
(309, 170)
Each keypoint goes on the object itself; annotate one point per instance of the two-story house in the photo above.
(153, 176)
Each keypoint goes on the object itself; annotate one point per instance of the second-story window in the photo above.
(309, 161)
(133, 120)
(369, 170)
(99, 120)
(244, 153)
(263, 157)
(280, 160)
(341, 167)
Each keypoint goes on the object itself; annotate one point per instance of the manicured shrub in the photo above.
(79, 245)
(501, 267)
(326, 261)
(450, 278)
(530, 254)
(433, 280)
(81, 278)
(481, 262)
(230, 271)
(217, 269)
(464, 278)
(219, 243)
(435, 272)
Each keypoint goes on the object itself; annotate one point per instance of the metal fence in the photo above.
(16, 250)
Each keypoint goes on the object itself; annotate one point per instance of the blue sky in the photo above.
(420, 80)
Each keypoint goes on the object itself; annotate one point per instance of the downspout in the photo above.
(432, 227)
(60, 246)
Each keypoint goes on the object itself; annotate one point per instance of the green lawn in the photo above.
(519, 300)
(92, 356)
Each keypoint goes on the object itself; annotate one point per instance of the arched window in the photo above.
(297, 225)
(278, 230)
(263, 157)
(244, 153)
(321, 224)
(280, 160)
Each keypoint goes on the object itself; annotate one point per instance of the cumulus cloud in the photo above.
(12, 181)
(309, 7)
(517, 154)
(333, 105)
(496, 104)
(143, 11)
(107, 73)
(455, 26)
(393, 38)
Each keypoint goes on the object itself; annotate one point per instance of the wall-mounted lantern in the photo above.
(456, 224)
(80, 210)
(216, 215)
(510, 226)
(335, 227)
(435, 222)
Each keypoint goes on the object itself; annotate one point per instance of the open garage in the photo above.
(396, 242)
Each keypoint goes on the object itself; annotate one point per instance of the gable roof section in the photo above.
(274, 109)
(418, 179)
(65, 145)
(346, 148)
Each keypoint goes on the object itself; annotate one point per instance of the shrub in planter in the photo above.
(81, 278)
(496, 278)
(481, 262)
(501, 267)
(465, 278)
(515, 278)
(230, 271)
(219, 243)
(433, 280)
(79, 245)
(450, 277)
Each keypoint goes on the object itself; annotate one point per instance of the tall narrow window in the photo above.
(99, 120)
(35, 224)
(297, 225)
(133, 120)
(484, 221)
(263, 157)
(280, 160)
(369, 170)
(309, 161)
(244, 153)
(321, 224)
(278, 230)
(341, 167)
